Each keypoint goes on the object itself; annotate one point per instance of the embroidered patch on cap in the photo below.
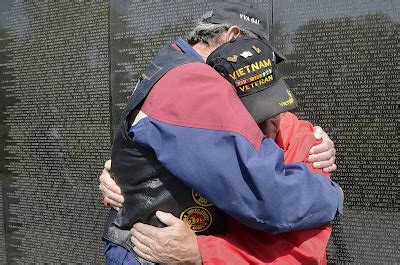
(258, 50)
(288, 102)
(232, 58)
(253, 78)
(246, 54)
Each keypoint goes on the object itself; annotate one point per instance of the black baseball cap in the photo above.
(249, 64)
(246, 16)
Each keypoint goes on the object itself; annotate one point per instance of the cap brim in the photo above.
(269, 102)
(279, 56)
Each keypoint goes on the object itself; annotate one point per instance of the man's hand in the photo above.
(175, 243)
(109, 189)
(323, 155)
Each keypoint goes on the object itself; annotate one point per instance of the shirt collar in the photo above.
(186, 48)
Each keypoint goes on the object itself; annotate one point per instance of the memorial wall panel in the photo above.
(343, 61)
(4, 79)
(55, 129)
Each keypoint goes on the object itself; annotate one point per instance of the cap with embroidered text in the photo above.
(249, 64)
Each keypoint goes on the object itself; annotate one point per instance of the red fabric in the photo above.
(243, 245)
(103, 199)
(212, 92)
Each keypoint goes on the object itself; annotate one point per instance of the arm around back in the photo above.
(201, 133)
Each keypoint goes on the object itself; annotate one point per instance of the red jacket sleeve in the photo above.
(243, 245)
(296, 137)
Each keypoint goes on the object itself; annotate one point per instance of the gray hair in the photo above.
(205, 32)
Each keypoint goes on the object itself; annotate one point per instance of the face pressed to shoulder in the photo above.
(270, 127)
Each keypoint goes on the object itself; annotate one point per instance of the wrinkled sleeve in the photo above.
(296, 138)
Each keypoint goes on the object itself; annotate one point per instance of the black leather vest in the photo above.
(146, 185)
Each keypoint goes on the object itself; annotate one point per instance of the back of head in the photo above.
(205, 31)
(251, 19)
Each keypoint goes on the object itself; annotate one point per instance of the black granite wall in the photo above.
(66, 70)
(55, 130)
(343, 61)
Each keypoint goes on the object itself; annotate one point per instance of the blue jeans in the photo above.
(115, 254)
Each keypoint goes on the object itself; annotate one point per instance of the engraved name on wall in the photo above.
(343, 61)
(55, 91)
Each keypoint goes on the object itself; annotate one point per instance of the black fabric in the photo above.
(247, 16)
(146, 185)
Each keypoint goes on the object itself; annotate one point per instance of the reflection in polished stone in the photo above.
(343, 65)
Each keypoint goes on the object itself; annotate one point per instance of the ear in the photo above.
(233, 32)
